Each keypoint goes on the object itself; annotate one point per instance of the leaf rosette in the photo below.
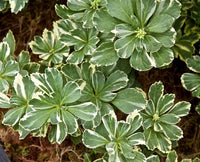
(160, 118)
(24, 92)
(81, 10)
(49, 48)
(104, 90)
(56, 106)
(8, 66)
(145, 33)
(118, 139)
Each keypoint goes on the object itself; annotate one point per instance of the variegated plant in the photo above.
(49, 48)
(15, 5)
(160, 118)
(24, 92)
(104, 91)
(188, 30)
(191, 81)
(118, 139)
(90, 57)
(56, 105)
(8, 66)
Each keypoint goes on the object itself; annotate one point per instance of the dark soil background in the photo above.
(32, 21)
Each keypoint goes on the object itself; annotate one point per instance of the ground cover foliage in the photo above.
(102, 80)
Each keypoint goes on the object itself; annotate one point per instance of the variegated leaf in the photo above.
(17, 5)
(92, 139)
(4, 101)
(129, 100)
(86, 111)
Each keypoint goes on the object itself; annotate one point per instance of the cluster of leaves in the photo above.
(14, 5)
(86, 74)
(191, 81)
(188, 28)
(105, 31)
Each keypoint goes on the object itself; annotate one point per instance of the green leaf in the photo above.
(128, 100)
(162, 57)
(92, 139)
(191, 82)
(71, 92)
(11, 68)
(58, 133)
(151, 44)
(23, 59)
(126, 149)
(198, 109)
(4, 51)
(76, 57)
(17, 5)
(136, 139)
(113, 152)
(71, 71)
(121, 10)
(22, 133)
(135, 120)
(138, 157)
(35, 119)
(160, 23)
(4, 86)
(103, 21)
(13, 116)
(125, 46)
(124, 30)
(169, 119)
(156, 92)
(55, 117)
(93, 123)
(110, 123)
(42, 104)
(172, 131)
(144, 10)
(172, 156)
(165, 103)
(86, 111)
(88, 18)
(193, 64)
(167, 38)
(54, 79)
(4, 101)
(63, 26)
(157, 140)
(122, 129)
(62, 11)
(98, 81)
(69, 121)
(184, 49)
(116, 81)
(104, 55)
(78, 5)
(24, 87)
(3, 5)
(32, 67)
(181, 109)
(11, 42)
(141, 61)
(172, 8)
(123, 65)
(41, 132)
(153, 158)
(83, 40)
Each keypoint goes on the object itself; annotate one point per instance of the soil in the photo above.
(32, 21)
